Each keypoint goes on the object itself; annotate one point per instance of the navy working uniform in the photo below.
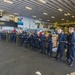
(50, 44)
(26, 40)
(61, 46)
(36, 41)
(14, 37)
(21, 39)
(31, 41)
(3, 36)
(11, 37)
(66, 37)
(71, 48)
(43, 43)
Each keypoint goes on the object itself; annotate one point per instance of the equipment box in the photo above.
(54, 39)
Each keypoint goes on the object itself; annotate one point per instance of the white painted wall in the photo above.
(7, 28)
(44, 29)
(28, 23)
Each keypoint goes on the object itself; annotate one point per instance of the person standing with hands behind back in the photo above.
(50, 44)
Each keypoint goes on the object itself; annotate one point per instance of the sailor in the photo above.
(50, 44)
(61, 44)
(71, 46)
(43, 43)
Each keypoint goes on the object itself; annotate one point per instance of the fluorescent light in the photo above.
(73, 16)
(56, 22)
(7, 1)
(1, 10)
(62, 19)
(48, 20)
(40, 19)
(67, 20)
(11, 15)
(43, 1)
(52, 17)
(65, 14)
(34, 16)
(68, 14)
(16, 14)
(60, 10)
(45, 13)
(28, 8)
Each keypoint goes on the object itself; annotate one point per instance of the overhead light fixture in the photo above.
(8, 1)
(34, 16)
(40, 19)
(11, 15)
(28, 8)
(1, 10)
(56, 22)
(16, 14)
(60, 10)
(73, 16)
(48, 20)
(45, 13)
(65, 14)
(62, 19)
(43, 1)
(68, 14)
(67, 20)
(52, 17)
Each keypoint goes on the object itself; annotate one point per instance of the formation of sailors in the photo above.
(36, 42)
(32, 40)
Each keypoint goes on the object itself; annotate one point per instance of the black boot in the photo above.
(59, 59)
(71, 64)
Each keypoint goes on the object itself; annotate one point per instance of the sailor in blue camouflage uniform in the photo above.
(50, 45)
(43, 43)
(3, 35)
(11, 36)
(21, 39)
(26, 36)
(14, 37)
(71, 46)
(36, 41)
(61, 44)
(31, 40)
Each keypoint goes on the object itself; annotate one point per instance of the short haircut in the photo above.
(59, 29)
(71, 28)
